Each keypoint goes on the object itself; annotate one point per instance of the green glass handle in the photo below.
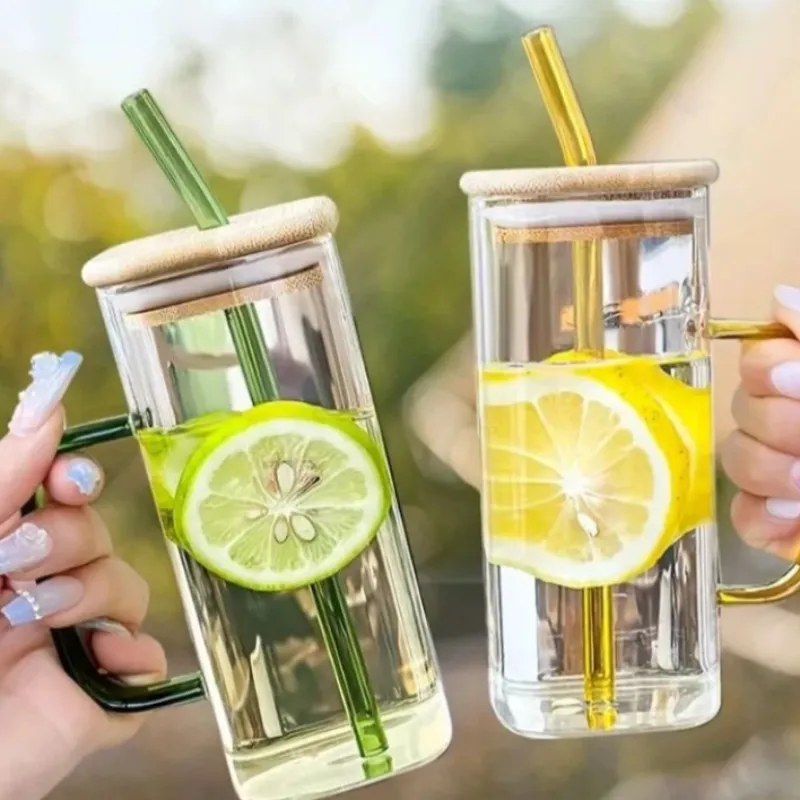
(110, 693)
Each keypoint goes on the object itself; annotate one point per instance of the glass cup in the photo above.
(591, 315)
(318, 689)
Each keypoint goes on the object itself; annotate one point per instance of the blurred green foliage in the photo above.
(403, 239)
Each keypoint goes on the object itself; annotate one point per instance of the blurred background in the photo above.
(382, 106)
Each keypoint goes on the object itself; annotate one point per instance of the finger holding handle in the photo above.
(28, 450)
(762, 457)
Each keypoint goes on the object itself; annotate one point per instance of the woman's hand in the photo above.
(57, 569)
(762, 457)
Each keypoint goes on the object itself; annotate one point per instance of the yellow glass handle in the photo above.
(785, 586)
(788, 583)
(745, 330)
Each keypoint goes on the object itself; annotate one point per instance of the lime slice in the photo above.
(281, 497)
(166, 454)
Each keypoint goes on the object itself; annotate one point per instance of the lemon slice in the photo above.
(690, 411)
(281, 497)
(584, 484)
(688, 408)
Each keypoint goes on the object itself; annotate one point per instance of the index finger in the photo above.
(35, 430)
(25, 462)
(772, 368)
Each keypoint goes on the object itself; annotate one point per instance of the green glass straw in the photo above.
(341, 640)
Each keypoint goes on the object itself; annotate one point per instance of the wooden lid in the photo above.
(551, 183)
(186, 249)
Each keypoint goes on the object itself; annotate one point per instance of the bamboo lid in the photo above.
(551, 183)
(181, 251)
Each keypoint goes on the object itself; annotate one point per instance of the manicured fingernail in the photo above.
(46, 598)
(27, 545)
(105, 625)
(84, 474)
(786, 379)
(51, 375)
(783, 509)
(141, 680)
(788, 296)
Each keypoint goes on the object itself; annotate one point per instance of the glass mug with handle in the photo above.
(592, 323)
(248, 395)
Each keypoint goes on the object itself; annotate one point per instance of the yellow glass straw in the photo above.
(573, 135)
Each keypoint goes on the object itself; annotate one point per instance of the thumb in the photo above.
(35, 430)
(786, 307)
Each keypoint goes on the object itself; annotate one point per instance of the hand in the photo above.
(47, 723)
(762, 457)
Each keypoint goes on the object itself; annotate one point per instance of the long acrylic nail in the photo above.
(27, 545)
(46, 598)
(788, 296)
(50, 376)
(105, 625)
(783, 509)
(84, 474)
(786, 379)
